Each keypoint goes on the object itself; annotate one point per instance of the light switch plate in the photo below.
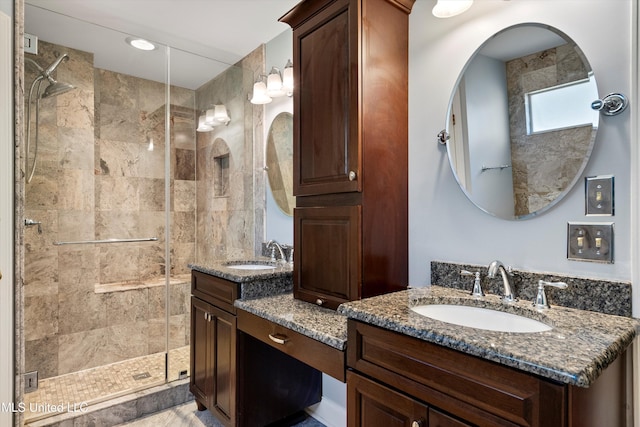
(590, 241)
(599, 195)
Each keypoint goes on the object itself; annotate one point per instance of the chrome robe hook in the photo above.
(610, 105)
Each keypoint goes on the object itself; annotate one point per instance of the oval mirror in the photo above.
(280, 161)
(520, 121)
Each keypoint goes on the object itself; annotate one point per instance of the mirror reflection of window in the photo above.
(561, 107)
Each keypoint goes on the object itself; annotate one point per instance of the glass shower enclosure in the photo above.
(110, 215)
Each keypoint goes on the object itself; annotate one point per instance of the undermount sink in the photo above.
(481, 318)
(250, 266)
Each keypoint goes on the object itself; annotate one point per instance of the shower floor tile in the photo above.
(76, 391)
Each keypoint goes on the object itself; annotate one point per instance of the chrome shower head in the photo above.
(56, 88)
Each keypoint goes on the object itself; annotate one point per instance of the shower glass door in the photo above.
(113, 199)
(103, 303)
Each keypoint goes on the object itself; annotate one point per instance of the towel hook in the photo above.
(610, 105)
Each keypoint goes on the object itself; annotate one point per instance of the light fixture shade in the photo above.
(209, 117)
(202, 124)
(260, 94)
(274, 83)
(449, 8)
(287, 78)
(220, 115)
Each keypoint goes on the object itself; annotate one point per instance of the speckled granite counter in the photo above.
(575, 351)
(253, 283)
(319, 323)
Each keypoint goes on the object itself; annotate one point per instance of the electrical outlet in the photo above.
(590, 241)
(30, 381)
(599, 195)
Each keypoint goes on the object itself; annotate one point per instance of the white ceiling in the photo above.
(205, 36)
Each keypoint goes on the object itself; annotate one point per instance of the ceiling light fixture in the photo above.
(449, 8)
(139, 43)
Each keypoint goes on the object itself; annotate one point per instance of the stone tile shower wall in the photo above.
(543, 164)
(95, 179)
(229, 170)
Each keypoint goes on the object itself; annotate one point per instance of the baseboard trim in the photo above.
(329, 413)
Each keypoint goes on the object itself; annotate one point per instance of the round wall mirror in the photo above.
(280, 161)
(520, 124)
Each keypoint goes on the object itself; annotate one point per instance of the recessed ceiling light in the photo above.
(141, 44)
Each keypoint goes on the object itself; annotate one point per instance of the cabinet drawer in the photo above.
(219, 292)
(479, 391)
(320, 356)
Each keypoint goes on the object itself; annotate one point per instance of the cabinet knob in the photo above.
(418, 423)
(319, 301)
(352, 176)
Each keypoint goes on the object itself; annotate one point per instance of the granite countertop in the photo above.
(253, 283)
(576, 351)
(321, 324)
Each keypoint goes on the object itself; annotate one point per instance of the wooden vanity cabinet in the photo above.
(242, 381)
(350, 148)
(396, 380)
(213, 345)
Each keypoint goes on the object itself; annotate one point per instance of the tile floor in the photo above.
(187, 415)
(104, 382)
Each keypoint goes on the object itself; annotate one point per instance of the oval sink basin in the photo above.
(481, 318)
(251, 266)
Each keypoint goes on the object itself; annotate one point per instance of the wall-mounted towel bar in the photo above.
(90, 242)
(487, 168)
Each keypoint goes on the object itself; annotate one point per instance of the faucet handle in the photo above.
(477, 288)
(541, 299)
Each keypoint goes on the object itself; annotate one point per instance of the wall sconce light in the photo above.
(277, 85)
(213, 117)
(449, 8)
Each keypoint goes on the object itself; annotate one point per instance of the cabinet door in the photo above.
(223, 365)
(327, 270)
(213, 360)
(370, 404)
(201, 384)
(326, 148)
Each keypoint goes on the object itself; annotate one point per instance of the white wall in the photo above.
(6, 213)
(278, 51)
(487, 114)
(443, 224)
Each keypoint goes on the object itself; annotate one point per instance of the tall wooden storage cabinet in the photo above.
(350, 148)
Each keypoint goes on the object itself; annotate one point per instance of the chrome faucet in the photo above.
(496, 266)
(273, 245)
